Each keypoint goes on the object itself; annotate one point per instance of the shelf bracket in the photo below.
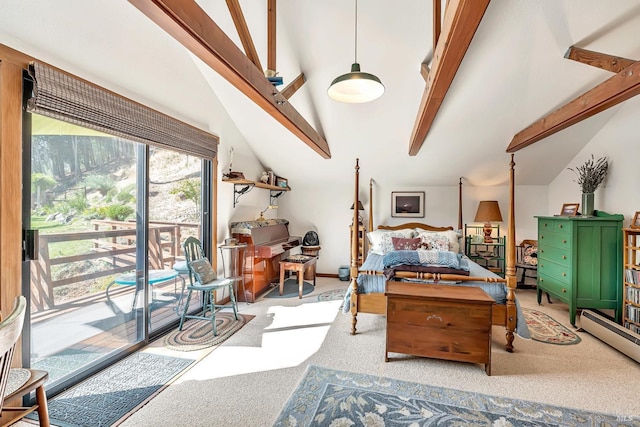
(273, 196)
(239, 190)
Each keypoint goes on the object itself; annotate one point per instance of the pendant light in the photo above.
(356, 86)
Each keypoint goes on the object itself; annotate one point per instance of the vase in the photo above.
(587, 204)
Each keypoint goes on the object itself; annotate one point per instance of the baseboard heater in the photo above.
(622, 339)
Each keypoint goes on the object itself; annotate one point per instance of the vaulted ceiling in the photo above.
(513, 74)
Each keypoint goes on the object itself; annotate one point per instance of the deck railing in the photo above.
(113, 252)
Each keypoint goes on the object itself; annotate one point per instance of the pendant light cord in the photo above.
(356, 37)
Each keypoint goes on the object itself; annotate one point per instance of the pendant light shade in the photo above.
(356, 86)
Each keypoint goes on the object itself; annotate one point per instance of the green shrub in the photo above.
(100, 183)
(188, 189)
(116, 212)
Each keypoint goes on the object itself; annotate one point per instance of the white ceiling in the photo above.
(513, 74)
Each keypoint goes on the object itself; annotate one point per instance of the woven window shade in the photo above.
(63, 97)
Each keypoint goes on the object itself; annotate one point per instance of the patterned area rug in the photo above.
(332, 295)
(198, 334)
(326, 397)
(116, 391)
(545, 329)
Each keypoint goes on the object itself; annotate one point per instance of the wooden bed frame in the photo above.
(376, 303)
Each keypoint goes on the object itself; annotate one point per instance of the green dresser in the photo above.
(580, 261)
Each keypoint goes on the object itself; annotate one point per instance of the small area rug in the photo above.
(326, 397)
(116, 391)
(545, 329)
(290, 289)
(197, 334)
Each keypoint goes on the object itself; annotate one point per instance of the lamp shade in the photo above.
(488, 211)
(360, 207)
(355, 87)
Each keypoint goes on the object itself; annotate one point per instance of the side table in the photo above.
(236, 264)
(310, 273)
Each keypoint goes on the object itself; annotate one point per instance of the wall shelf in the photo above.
(243, 186)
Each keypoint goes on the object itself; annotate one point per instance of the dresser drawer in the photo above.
(561, 273)
(439, 314)
(560, 256)
(557, 240)
(554, 225)
(548, 283)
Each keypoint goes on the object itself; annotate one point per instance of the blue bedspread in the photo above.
(376, 284)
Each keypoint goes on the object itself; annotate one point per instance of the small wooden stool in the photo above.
(299, 264)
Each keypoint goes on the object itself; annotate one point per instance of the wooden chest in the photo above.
(439, 321)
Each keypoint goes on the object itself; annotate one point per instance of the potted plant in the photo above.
(590, 176)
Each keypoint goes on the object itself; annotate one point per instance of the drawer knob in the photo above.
(564, 290)
(564, 241)
(564, 257)
(541, 251)
(541, 265)
(541, 237)
(564, 274)
(560, 226)
(541, 279)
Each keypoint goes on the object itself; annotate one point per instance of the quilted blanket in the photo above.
(423, 257)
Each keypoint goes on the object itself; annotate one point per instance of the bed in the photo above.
(365, 293)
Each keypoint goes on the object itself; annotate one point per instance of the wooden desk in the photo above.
(439, 321)
(297, 263)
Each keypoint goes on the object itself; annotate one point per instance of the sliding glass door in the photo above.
(110, 216)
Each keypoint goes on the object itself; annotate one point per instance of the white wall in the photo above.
(314, 206)
(620, 193)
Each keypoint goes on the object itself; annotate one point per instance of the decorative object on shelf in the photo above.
(356, 86)
(635, 222)
(405, 204)
(590, 175)
(488, 212)
(360, 208)
(281, 182)
(231, 174)
(264, 177)
(570, 209)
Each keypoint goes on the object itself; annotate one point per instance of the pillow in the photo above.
(530, 255)
(203, 271)
(435, 242)
(375, 239)
(402, 244)
(452, 236)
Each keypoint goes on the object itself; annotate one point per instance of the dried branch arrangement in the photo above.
(591, 174)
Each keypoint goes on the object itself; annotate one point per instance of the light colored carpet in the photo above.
(248, 379)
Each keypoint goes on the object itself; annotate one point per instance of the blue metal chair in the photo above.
(202, 278)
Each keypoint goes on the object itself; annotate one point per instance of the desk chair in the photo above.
(17, 382)
(203, 278)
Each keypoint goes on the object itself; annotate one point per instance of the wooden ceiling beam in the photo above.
(612, 63)
(190, 25)
(243, 32)
(424, 71)
(461, 20)
(616, 89)
(437, 22)
(292, 87)
(271, 35)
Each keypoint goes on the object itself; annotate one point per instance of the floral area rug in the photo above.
(197, 334)
(326, 397)
(545, 329)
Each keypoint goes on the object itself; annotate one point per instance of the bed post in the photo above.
(354, 254)
(370, 204)
(460, 205)
(511, 261)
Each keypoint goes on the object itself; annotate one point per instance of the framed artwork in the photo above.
(406, 204)
(635, 222)
(569, 209)
(281, 182)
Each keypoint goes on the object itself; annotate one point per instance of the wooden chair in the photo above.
(17, 382)
(528, 270)
(205, 282)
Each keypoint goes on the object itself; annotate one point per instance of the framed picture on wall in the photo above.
(407, 204)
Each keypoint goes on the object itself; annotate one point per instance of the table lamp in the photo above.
(488, 212)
